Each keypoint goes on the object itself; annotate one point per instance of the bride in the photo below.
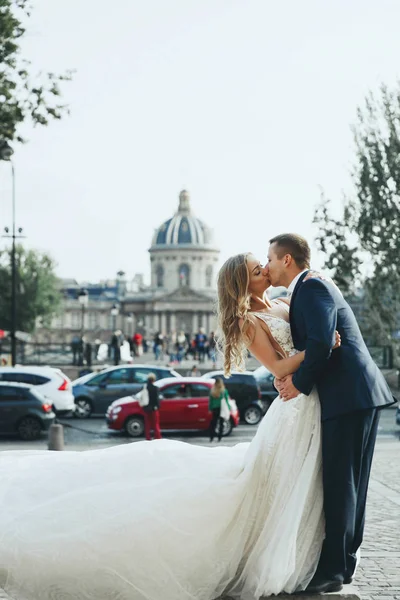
(168, 520)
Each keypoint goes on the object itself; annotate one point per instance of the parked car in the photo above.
(398, 415)
(51, 383)
(265, 380)
(244, 389)
(94, 392)
(183, 406)
(24, 411)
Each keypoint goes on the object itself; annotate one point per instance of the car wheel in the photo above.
(227, 428)
(83, 408)
(29, 428)
(134, 427)
(252, 415)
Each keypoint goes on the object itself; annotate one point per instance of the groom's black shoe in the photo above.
(348, 580)
(323, 586)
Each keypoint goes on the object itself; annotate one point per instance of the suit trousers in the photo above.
(348, 444)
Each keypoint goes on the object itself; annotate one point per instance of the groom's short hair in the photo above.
(296, 246)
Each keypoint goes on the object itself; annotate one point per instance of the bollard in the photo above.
(56, 437)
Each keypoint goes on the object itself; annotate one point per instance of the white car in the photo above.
(51, 383)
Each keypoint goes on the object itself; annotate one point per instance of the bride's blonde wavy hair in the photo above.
(233, 305)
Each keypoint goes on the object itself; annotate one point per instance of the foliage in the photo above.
(23, 96)
(38, 294)
(364, 244)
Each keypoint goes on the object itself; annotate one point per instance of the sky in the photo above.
(248, 104)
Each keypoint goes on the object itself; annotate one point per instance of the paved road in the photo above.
(93, 433)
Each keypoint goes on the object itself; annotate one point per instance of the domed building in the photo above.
(183, 260)
(181, 295)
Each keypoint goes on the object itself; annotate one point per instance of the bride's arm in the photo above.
(263, 350)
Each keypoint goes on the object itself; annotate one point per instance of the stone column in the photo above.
(163, 323)
(195, 322)
(172, 321)
(147, 325)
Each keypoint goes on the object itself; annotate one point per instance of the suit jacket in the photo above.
(347, 379)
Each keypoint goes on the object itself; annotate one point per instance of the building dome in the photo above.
(183, 229)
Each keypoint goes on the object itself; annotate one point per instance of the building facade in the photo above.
(181, 295)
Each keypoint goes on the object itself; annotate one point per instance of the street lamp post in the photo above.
(83, 298)
(6, 153)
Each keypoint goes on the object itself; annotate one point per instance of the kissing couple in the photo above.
(167, 520)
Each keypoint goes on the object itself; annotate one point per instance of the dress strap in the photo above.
(277, 347)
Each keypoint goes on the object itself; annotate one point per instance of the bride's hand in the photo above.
(338, 341)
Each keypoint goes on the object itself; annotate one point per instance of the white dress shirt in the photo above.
(294, 282)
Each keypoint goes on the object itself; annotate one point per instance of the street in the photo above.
(85, 434)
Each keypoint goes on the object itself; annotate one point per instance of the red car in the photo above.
(183, 405)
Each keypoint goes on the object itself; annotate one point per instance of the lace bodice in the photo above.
(280, 330)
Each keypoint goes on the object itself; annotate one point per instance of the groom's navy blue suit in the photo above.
(351, 388)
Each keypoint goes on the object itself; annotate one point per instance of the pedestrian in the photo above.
(116, 343)
(75, 349)
(137, 344)
(201, 344)
(194, 372)
(212, 350)
(88, 354)
(158, 345)
(151, 412)
(218, 395)
(181, 346)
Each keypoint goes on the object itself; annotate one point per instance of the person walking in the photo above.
(218, 395)
(151, 413)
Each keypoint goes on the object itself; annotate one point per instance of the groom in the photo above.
(351, 390)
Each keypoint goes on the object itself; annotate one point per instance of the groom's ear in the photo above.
(287, 260)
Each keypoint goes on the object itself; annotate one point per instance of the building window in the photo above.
(76, 320)
(184, 275)
(93, 321)
(160, 276)
(209, 276)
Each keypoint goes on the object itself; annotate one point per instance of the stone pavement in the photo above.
(378, 577)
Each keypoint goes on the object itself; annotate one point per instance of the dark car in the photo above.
(244, 389)
(265, 380)
(96, 391)
(24, 411)
(398, 415)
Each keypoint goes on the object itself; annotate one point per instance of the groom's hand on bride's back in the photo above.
(286, 389)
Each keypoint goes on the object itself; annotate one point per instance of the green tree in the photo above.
(23, 95)
(38, 292)
(364, 243)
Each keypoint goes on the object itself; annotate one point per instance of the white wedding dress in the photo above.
(166, 520)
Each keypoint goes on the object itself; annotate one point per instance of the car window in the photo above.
(176, 391)
(199, 390)
(140, 375)
(119, 376)
(40, 379)
(28, 378)
(9, 393)
(164, 373)
(96, 380)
